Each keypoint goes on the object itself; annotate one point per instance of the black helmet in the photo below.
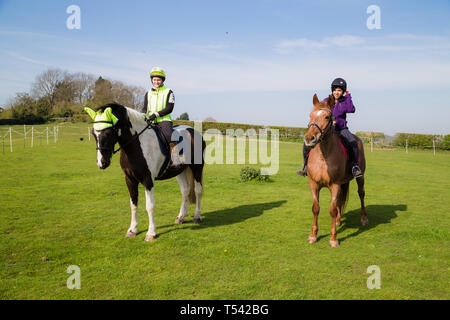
(339, 83)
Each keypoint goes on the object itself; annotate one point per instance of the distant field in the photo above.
(58, 209)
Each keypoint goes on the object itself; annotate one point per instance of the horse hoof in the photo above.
(334, 244)
(131, 234)
(365, 222)
(197, 220)
(312, 240)
(179, 220)
(150, 238)
(338, 224)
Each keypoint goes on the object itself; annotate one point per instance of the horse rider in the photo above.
(343, 105)
(159, 102)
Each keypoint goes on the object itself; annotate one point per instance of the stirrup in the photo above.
(303, 172)
(356, 171)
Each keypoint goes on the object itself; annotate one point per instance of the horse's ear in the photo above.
(315, 99)
(91, 112)
(330, 101)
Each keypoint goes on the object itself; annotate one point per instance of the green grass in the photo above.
(56, 204)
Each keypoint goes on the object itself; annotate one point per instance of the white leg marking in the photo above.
(198, 200)
(184, 188)
(150, 205)
(134, 219)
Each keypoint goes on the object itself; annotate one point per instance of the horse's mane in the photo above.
(123, 112)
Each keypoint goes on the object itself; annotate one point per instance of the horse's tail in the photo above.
(191, 180)
(343, 196)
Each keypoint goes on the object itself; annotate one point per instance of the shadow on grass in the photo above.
(377, 214)
(228, 216)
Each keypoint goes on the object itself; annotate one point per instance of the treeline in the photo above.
(286, 133)
(59, 94)
(423, 141)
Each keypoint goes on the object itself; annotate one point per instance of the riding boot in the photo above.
(304, 172)
(175, 154)
(356, 170)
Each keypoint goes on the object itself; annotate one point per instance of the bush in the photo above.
(248, 174)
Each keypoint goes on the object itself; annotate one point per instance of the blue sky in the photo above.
(247, 61)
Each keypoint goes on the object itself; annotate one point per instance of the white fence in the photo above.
(12, 138)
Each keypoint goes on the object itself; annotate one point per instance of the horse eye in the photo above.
(327, 117)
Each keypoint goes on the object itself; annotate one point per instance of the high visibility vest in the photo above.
(157, 100)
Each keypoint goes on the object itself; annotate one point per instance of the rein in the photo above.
(322, 132)
(149, 125)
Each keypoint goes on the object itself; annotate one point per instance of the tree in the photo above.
(183, 116)
(46, 83)
(210, 119)
(102, 92)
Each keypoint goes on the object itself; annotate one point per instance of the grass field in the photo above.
(58, 209)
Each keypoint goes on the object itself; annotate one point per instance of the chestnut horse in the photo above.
(328, 167)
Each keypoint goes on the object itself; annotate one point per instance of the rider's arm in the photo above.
(347, 105)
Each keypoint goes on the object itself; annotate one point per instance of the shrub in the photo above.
(248, 174)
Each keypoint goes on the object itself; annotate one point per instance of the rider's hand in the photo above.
(151, 118)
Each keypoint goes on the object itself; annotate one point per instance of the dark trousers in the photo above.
(349, 142)
(166, 128)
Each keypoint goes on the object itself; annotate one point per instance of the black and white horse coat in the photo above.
(141, 160)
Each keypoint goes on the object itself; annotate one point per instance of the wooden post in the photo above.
(47, 135)
(371, 144)
(406, 145)
(54, 134)
(10, 138)
(434, 147)
(24, 136)
(32, 136)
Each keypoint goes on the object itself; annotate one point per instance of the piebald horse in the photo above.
(328, 167)
(142, 161)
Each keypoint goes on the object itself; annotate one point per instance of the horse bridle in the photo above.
(324, 131)
(116, 130)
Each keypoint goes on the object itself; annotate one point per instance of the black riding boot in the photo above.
(304, 172)
(356, 170)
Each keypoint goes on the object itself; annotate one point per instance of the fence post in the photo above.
(32, 136)
(47, 135)
(406, 145)
(10, 138)
(371, 144)
(54, 134)
(24, 136)
(434, 147)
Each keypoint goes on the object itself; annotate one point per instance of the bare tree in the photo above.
(46, 83)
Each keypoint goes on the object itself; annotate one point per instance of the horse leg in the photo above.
(184, 188)
(150, 205)
(341, 200)
(335, 189)
(132, 185)
(315, 190)
(362, 193)
(198, 189)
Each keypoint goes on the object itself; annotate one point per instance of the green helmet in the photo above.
(158, 72)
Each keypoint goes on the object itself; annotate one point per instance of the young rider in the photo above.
(343, 105)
